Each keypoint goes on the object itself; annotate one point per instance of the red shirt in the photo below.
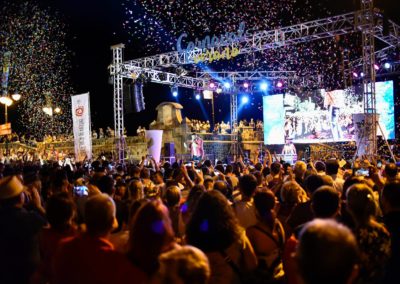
(48, 244)
(86, 259)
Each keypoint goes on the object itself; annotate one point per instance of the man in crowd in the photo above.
(90, 257)
(19, 250)
(327, 253)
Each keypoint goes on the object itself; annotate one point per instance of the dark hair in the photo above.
(266, 171)
(106, 185)
(332, 167)
(326, 253)
(150, 232)
(391, 194)
(59, 210)
(391, 170)
(258, 177)
(325, 202)
(145, 173)
(349, 182)
(313, 182)
(229, 169)
(247, 185)
(264, 201)
(320, 166)
(213, 225)
(275, 168)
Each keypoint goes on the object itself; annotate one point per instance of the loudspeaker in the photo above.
(133, 96)
(169, 150)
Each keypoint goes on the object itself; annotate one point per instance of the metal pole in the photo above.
(212, 111)
(6, 113)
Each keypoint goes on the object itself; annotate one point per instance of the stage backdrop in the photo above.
(81, 125)
(321, 116)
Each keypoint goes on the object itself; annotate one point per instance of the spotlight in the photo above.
(212, 85)
(264, 86)
(279, 84)
(355, 75)
(174, 91)
(376, 67)
(245, 99)
(197, 96)
(219, 90)
(387, 65)
(246, 85)
(362, 74)
(227, 85)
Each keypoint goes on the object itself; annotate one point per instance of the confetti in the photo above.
(40, 66)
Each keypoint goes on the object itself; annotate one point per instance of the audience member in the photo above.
(327, 253)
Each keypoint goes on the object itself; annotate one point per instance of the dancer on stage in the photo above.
(196, 148)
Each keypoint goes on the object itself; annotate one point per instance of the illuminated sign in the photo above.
(210, 42)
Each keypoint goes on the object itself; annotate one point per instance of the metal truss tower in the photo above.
(366, 23)
(117, 51)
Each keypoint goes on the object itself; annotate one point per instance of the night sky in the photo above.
(94, 25)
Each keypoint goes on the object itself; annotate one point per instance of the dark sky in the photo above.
(94, 25)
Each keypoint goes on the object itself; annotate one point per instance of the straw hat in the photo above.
(10, 187)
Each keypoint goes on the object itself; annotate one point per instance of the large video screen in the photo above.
(322, 116)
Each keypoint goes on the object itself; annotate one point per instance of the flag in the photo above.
(81, 125)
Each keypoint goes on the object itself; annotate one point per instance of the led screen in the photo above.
(323, 116)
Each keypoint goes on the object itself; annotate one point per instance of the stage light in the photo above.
(279, 84)
(212, 85)
(219, 90)
(264, 86)
(197, 96)
(387, 65)
(355, 75)
(16, 97)
(362, 74)
(376, 66)
(245, 99)
(227, 85)
(246, 85)
(174, 91)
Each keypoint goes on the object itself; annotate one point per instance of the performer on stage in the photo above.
(196, 148)
(289, 152)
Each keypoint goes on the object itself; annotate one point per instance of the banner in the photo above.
(81, 124)
(6, 72)
(5, 129)
(155, 142)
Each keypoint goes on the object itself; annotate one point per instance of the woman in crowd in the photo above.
(372, 237)
(150, 235)
(214, 229)
(267, 238)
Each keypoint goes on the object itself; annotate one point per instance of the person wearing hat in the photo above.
(19, 228)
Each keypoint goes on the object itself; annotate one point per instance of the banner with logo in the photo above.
(81, 124)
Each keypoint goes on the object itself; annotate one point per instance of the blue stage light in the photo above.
(197, 96)
(227, 85)
(245, 99)
(174, 91)
(264, 86)
(387, 65)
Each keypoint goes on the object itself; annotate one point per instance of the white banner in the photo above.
(81, 123)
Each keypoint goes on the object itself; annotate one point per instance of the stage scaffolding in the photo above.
(369, 21)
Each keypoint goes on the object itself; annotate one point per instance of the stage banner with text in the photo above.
(81, 124)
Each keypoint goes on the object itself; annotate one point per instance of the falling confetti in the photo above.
(40, 66)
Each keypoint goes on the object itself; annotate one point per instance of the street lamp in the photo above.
(7, 101)
(50, 111)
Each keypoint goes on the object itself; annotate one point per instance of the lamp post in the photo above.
(50, 111)
(7, 101)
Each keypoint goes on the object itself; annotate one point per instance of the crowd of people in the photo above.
(260, 222)
(222, 127)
